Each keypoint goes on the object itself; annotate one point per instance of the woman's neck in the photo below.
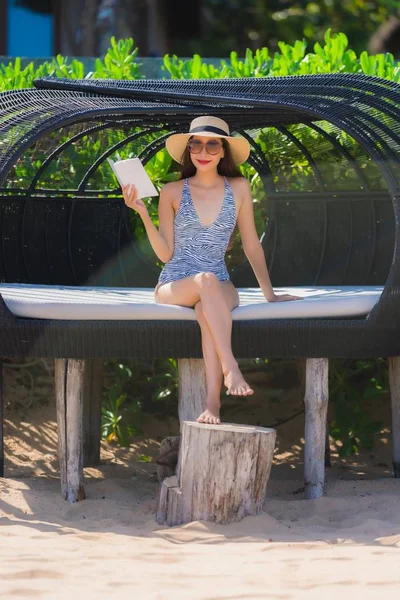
(207, 179)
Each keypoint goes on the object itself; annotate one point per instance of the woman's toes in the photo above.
(209, 417)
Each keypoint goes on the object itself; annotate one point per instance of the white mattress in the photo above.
(90, 303)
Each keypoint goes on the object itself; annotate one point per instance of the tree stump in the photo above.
(70, 388)
(222, 477)
(168, 457)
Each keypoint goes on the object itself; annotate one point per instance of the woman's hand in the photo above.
(131, 200)
(284, 298)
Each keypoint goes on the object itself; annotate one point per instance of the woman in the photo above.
(197, 216)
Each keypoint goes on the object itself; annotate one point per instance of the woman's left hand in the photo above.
(285, 298)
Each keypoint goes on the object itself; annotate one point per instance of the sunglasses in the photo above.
(196, 146)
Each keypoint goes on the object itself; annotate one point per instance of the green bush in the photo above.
(333, 57)
(121, 62)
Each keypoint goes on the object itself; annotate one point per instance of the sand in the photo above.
(346, 544)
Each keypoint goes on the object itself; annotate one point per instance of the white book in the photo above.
(130, 171)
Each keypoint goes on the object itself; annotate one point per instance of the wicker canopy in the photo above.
(330, 169)
(367, 108)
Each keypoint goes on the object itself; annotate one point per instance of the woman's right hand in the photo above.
(131, 200)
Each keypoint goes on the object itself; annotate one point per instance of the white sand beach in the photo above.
(346, 544)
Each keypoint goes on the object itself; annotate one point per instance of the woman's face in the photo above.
(205, 152)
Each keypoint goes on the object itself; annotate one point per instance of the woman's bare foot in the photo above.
(211, 413)
(236, 384)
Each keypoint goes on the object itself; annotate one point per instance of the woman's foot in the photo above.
(236, 384)
(211, 413)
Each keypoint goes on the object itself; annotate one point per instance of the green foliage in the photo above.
(13, 76)
(234, 24)
(352, 384)
(133, 386)
(332, 57)
(119, 62)
(165, 382)
(119, 419)
(194, 68)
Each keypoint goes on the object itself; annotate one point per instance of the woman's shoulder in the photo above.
(238, 183)
(172, 187)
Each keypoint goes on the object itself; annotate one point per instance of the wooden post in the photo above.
(192, 388)
(1, 420)
(191, 398)
(69, 385)
(223, 472)
(92, 398)
(394, 384)
(301, 364)
(316, 408)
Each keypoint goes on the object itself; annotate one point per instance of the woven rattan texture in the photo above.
(67, 236)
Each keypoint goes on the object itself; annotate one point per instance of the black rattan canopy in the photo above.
(367, 108)
(325, 149)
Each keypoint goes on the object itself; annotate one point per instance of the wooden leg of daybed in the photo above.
(192, 388)
(1, 421)
(70, 387)
(394, 383)
(94, 375)
(301, 371)
(316, 406)
(191, 399)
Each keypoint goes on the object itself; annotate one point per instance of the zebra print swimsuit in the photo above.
(198, 248)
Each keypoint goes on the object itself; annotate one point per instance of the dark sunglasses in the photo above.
(196, 146)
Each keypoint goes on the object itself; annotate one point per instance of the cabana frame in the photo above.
(346, 235)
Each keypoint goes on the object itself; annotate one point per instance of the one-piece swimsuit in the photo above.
(199, 248)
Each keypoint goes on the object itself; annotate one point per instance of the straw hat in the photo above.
(208, 127)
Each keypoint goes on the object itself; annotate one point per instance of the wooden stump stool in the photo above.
(222, 474)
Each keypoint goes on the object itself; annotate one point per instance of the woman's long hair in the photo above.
(226, 165)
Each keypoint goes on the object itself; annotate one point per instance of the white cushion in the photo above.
(91, 303)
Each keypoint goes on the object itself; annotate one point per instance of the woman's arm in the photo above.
(162, 239)
(252, 246)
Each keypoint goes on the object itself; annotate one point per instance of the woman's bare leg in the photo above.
(217, 314)
(213, 371)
